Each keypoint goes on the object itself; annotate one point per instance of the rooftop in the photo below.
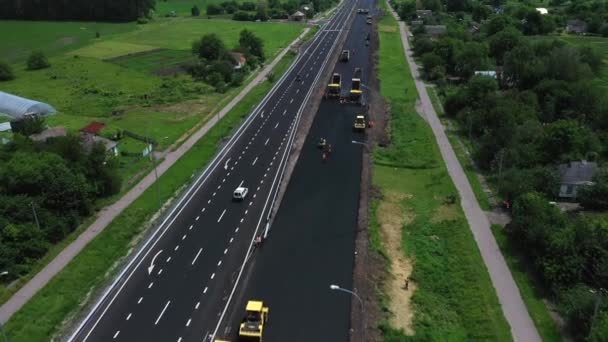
(577, 172)
(18, 108)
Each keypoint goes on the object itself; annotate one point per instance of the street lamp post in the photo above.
(4, 338)
(352, 293)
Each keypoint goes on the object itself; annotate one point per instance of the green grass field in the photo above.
(179, 33)
(51, 37)
(455, 300)
(41, 317)
(155, 61)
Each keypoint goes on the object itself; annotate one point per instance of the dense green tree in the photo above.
(595, 197)
(250, 6)
(566, 140)
(211, 47)
(37, 60)
(195, 11)
(578, 304)
(473, 56)
(242, 16)
(252, 44)
(422, 45)
(457, 5)
(481, 12)
(213, 9)
(503, 42)
(433, 5)
(6, 72)
(447, 48)
(564, 63)
(592, 56)
(497, 24)
(522, 68)
(433, 66)
(599, 331)
(262, 12)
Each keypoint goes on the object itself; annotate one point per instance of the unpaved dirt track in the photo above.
(514, 309)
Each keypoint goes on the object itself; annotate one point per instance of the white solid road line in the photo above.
(197, 254)
(162, 312)
(219, 219)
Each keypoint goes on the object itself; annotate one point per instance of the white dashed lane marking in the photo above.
(196, 256)
(162, 312)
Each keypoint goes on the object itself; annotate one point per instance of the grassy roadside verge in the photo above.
(532, 295)
(461, 154)
(454, 299)
(43, 314)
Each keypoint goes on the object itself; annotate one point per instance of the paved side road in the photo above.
(514, 309)
(107, 214)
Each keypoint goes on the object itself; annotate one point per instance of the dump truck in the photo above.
(345, 56)
(256, 317)
(334, 86)
(359, 124)
(355, 89)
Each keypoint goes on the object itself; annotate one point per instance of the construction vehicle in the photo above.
(256, 317)
(345, 56)
(355, 89)
(334, 86)
(359, 124)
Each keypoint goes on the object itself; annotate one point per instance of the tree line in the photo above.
(94, 10)
(538, 104)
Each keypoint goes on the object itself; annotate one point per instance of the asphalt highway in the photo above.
(179, 282)
(310, 244)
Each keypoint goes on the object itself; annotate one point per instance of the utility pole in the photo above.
(35, 216)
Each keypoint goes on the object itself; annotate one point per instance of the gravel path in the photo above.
(514, 309)
(107, 214)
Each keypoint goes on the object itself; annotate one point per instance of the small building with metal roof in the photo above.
(19, 108)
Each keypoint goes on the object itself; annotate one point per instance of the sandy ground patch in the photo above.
(392, 219)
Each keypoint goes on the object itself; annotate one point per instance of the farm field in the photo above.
(19, 38)
(118, 79)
